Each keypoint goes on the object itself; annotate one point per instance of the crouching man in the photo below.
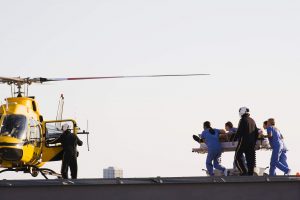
(211, 139)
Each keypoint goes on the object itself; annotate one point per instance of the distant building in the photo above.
(112, 172)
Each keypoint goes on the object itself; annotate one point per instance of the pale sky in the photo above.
(145, 126)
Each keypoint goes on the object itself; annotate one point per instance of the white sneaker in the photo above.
(289, 172)
(225, 172)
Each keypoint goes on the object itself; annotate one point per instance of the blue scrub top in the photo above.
(211, 140)
(233, 130)
(275, 140)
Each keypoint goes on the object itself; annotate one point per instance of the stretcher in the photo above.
(262, 143)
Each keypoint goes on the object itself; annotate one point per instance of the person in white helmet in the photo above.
(69, 143)
(247, 134)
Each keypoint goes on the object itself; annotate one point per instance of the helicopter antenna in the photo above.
(87, 135)
(60, 110)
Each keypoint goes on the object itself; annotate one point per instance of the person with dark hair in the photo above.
(278, 157)
(211, 139)
(231, 131)
(247, 134)
(265, 124)
(282, 158)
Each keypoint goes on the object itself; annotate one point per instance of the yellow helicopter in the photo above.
(26, 139)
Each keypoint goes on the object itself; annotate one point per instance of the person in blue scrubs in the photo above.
(211, 139)
(283, 157)
(278, 158)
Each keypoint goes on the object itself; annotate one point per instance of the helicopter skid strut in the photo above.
(34, 171)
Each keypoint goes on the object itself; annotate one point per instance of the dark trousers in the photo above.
(69, 160)
(249, 151)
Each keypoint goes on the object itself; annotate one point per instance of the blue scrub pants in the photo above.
(283, 158)
(213, 160)
(278, 160)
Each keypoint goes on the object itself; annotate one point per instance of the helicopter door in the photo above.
(35, 138)
(35, 133)
(33, 143)
(52, 149)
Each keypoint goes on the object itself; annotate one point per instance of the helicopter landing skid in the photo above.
(46, 171)
(34, 171)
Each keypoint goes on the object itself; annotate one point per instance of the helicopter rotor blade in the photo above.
(42, 80)
(10, 80)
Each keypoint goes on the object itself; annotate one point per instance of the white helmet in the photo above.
(243, 110)
(65, 127)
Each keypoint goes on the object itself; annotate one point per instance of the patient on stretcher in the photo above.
(229, 140)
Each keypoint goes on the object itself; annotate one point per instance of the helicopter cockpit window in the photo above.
(14, 126)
